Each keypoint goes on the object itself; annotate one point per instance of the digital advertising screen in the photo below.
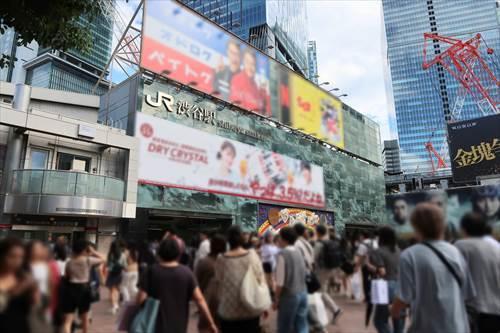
(179, 156)
(272, 218)
(184, 46)
(475, 148)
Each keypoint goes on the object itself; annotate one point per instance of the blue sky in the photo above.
(349, 36)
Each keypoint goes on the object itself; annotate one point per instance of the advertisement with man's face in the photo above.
(189, 49)
(456, 202)
(273, 217)
(193, 51)
(178, 156)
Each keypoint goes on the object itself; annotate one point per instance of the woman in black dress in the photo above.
(18, 292)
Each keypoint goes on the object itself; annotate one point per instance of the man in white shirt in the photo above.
(203, 248)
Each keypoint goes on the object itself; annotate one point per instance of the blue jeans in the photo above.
(292, 314)
(381, 316)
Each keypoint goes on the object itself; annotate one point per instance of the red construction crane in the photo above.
(464, 61)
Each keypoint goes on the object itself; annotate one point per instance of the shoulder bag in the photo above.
(145, 319)
(254, 293)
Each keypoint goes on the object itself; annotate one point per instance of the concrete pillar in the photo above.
(15, 144)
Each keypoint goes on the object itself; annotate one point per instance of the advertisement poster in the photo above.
(178, 156)
(316, 112)
(193, 51)
(272, 217)
(457, 202)
(475, 148)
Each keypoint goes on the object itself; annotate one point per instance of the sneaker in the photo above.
(336, 315)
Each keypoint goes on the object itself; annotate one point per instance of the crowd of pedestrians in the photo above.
(430, 286)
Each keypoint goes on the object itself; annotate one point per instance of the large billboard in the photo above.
(179, 156)
(456, 202)
(475, 148)
(272, 218)
(182, 45)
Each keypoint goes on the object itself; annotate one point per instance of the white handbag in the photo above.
(379, 292)
(254, 294)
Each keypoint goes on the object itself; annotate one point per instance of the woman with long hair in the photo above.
(386, 261)
(76, 293)
(230, 269)
(18, 291)
(116, 263)
(131, 273)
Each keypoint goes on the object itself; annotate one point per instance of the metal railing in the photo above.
(72, 183)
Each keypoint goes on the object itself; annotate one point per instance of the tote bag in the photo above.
(145, 320)
(379, 292)
(254, 294)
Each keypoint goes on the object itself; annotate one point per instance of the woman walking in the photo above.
(18, 291)
(205, 275)
(115, 265)
(174, 286)
(230, 270)
(76, 291)
(386, 261)
(130, 274)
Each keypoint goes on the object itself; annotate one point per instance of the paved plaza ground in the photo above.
(351, 321)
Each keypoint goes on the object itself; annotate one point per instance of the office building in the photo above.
(390, 157)
(277, 27)
(61, 172)
(71, 70)
(312, 62)
(424, 99)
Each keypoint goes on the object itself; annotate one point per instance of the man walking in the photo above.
(483, 259)
(291, 294)
(328, 258)
(434, 279)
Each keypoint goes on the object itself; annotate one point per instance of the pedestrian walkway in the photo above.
(351, 321)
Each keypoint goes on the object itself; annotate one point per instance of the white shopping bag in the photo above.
(379, 292)
(318, 309)
(356, 285)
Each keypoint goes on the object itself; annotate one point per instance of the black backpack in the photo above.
(332, 254)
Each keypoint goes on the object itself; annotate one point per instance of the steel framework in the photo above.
(463, 60)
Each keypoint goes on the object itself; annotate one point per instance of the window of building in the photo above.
(73, 162)
(39, 158)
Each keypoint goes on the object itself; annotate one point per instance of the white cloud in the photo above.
(348, 35)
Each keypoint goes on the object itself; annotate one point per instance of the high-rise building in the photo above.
(312, 62)
(277, 27)
(390, 157)
(72, 70)
(424, 99)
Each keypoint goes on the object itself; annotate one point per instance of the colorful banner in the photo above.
(178, 156)
(178, 43)
(272, 217)
(484, 200)
(475, 148)
(193, 51)
(316, 112)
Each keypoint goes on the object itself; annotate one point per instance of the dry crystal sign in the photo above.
(182, 157)
(187, 48)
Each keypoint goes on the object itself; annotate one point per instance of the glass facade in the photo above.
(277, 27)
(424, 99)
(74, 70)
(354, 189)
(312, 62)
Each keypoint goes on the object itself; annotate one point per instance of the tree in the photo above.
(52, 23)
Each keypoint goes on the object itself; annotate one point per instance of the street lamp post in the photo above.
(334, 89)
(324, 83)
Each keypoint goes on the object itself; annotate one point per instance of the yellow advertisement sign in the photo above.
(316, 112)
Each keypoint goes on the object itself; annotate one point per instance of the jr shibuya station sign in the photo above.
(179, 156)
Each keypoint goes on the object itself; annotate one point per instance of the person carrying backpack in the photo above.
(328, 260)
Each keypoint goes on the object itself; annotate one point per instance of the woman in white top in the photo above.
(37, 262)
(128, 286)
